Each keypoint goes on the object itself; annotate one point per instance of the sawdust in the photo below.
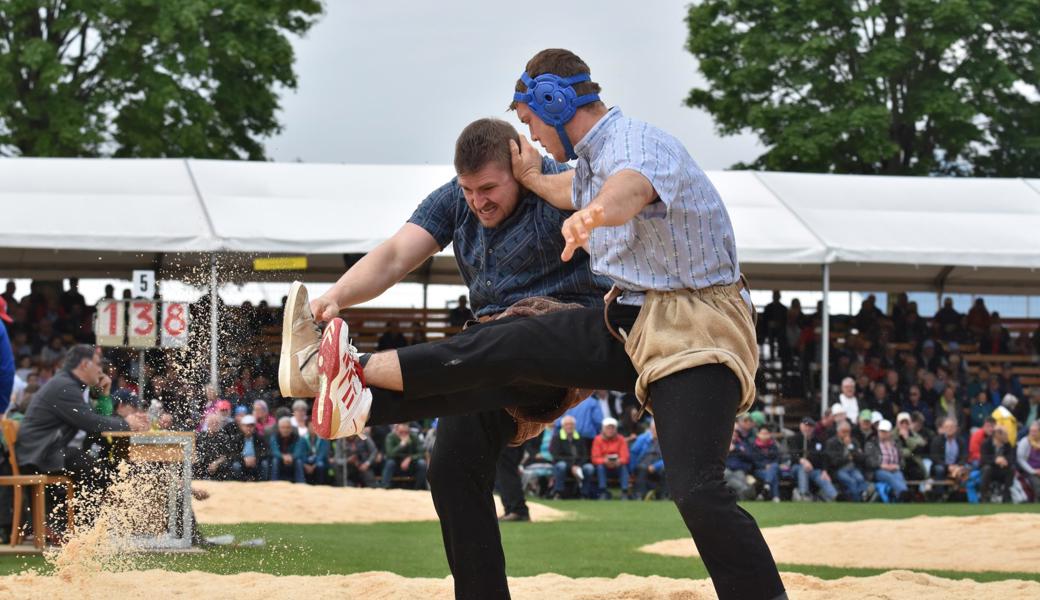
(1007, 542)
(283, 502)
(157, 585)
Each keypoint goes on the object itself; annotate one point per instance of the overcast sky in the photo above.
(395, 82)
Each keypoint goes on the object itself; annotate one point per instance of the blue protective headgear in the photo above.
(554, 100)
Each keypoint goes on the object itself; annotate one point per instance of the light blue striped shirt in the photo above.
(684, 240)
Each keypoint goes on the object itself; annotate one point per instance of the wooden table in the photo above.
(176, 450)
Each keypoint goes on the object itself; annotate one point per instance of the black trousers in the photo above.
(694, 411)
(91, 476)
(508, 481)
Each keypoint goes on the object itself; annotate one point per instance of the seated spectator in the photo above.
(766, 456)
(610, 457)
(314, 455)
(949, 454)
(981, 408)
(746, 428)
(978, 437)
(250, 454)
(912, 446)
(392, 337)
(1028, 414)
(740, 465)
(1028, 455)
(915, 402)
(300, 418)
(286, 462)
(848, 400)
(647, 460)
(844, 457)
(864, 428)
(570, 458)
(884, 458)
(404, 457)
(362, 457)
(588, 417)
(809, 464)
(212, 450)
(418, 333)
(265, 422)
(998, 458)
(1005, 417)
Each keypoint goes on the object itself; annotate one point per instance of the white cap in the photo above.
(884, 425)
(876, 417)
(837, 409)
(903, 416)
(610, 421)
(249, 420)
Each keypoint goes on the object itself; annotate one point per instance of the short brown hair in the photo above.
(484, 141)
(563, 63)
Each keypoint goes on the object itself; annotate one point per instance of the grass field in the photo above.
(600, 541)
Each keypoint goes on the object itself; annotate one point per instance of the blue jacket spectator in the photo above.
(6, 361)
(313, 455)
(639, 447)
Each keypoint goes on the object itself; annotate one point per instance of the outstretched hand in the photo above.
(526, 161)
(577, 228)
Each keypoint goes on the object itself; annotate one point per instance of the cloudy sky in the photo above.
(395, 82)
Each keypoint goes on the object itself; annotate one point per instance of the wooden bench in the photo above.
(37, 485)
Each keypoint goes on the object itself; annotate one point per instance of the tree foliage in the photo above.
(145, 78)
(875, 86)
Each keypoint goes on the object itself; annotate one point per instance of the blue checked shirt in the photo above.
(518, 259)
(682, 240)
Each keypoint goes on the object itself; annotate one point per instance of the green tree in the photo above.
(145, 78)
(875, 86)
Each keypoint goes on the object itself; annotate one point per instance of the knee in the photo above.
(701, 504)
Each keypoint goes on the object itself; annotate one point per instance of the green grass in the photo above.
(600, 541)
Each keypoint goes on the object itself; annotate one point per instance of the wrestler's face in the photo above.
(540, 132)
(491, 193)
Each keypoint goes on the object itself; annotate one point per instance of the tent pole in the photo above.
(213, 319)
(825, 339)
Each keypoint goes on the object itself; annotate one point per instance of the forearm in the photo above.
(622, 197)
(384, 266)
(554, 189)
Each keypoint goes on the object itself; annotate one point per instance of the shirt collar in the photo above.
(590, 143)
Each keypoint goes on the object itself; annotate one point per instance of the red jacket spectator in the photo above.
(976, 440)
(602, 447)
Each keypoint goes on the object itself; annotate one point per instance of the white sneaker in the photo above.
(343, 401)
(297, 364)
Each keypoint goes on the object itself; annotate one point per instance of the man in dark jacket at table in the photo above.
(59, 410)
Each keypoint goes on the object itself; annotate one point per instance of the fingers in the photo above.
(514, 150)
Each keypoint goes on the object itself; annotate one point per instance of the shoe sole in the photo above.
(286, 360)
(330, 414)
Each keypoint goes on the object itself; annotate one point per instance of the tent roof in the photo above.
(103, 217)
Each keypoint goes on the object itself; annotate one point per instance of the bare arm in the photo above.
(527, 169)
(622, 196)
(377, 271)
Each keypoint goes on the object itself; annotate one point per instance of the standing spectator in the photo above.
(912, 446)
(9, 294)
(72, 298)
(250, 453)
(884, 458)
(362, 456)
(774, 316)
(286, 463)
(265, 422)
(848, 400)
(809, 463)
(588, 418)
(948, 319)
(610, 457)
(766, 455)
(404, 456)
(844, 456)
(998, 458)
(977, 321)
(570, 456)
(314, 454)
(949, 454)
(459, 315)
(1028, 455)
(648, 461)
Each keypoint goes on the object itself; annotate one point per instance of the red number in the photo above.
(111, 309)
(145, 315)
(174, 323)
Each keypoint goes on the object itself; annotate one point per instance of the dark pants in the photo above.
(1002, 476)
(91, 477)
(508, 481)
(694, 411)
